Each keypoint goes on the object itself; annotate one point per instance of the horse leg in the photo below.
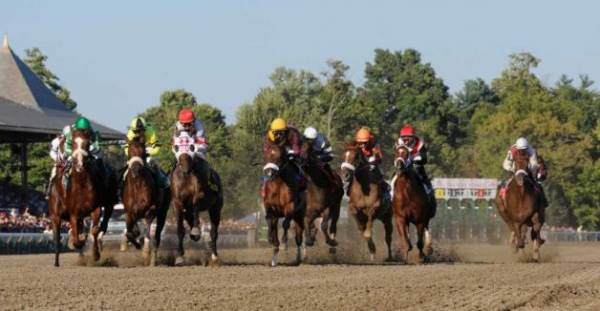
(299, 228)
(402, 228)
(310, 227)
(215, 219)
(106, 214)
(146, 251)
(95, 232)
(56, 233)
(193, 221)
(161, 218)
(274, 238)
(180, 234)
(132, 231)
(73, 230)
(286, 226)
(389, 231)
(334, 215)
(536, 236)
(428, 247)
(420, 242)
(368, 232)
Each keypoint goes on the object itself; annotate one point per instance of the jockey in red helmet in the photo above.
(418, 152)
(187, 122)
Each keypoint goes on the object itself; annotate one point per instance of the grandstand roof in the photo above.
(29, 111)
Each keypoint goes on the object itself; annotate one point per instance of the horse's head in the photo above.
(273, 159)
(352, 160)
(81, 148)
(402, 160)
(136, 150)
(184, 149)
(521, 159)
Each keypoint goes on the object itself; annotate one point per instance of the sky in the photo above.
(117, 57)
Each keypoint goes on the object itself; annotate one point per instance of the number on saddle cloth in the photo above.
(184, 143)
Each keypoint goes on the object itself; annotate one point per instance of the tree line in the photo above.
(468, 133)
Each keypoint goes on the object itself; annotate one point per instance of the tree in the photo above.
(36, 60)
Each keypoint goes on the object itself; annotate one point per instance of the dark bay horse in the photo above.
(324, 195)
(189, 198)
(520, 206)
(76, 200)
(143, 199)
(366, 200)
(410, 205)
(278, 200)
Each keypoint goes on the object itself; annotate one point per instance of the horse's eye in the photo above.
(192, 148)
(176, 148)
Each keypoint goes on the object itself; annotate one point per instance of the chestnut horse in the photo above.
(366, 200)
(323, 198)
(278, 200)
(520, 206)
(189, 198)
(142, 198)
(410, 205)
(76, 200)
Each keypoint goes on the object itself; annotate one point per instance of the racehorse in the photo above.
(278, 200)
(520, 207)
(366, 197)
(76, 200)
(143, 198)
(324, 196)
(189, 198)
(410, 205)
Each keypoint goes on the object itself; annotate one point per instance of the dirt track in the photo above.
(483, 277)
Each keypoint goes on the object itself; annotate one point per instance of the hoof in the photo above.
(124, 246)
(367, 234)
(332, 243)
(179, 261)
(372, 257)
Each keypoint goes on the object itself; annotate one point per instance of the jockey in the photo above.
(319, 148)
(371, 150)
(57, 155)
(140, 129)
(418, 152)
(319, 145)
(187, 122)
(523, 146)
(368, 146)
(83, 124)
(289, 139)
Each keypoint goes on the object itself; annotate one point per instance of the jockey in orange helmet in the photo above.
(370, 149)
(368, 146)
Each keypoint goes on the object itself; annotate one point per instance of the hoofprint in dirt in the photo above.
(569, 280)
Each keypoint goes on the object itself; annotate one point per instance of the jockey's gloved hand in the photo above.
(418, 160)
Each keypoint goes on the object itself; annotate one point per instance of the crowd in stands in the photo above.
(18, 216)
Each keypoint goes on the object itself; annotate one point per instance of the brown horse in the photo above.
(189, 198)
(410, 205)
(142, 198)
(520, 207)
(366, 198)
(77, 199)
(324, 196)
(278, 200)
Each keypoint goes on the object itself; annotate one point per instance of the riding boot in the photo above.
(204, 174)
(420, 169)
(543, 198)
(49, 185)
